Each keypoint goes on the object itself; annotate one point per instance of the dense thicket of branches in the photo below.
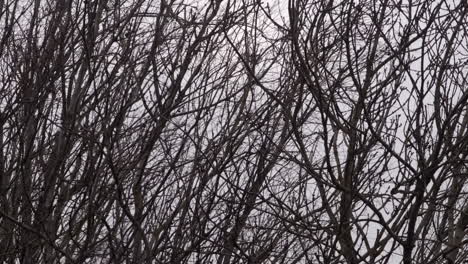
(233, 131)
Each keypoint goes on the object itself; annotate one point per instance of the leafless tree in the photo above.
(233, 131)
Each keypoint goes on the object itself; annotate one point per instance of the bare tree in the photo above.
(233, 131)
